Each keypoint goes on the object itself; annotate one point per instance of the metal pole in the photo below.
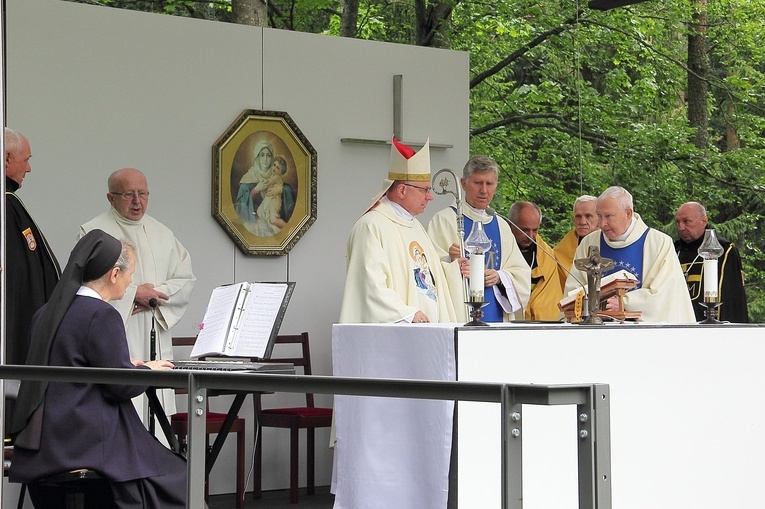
(196, 452)
(442, 189)
(602, 425)
(512, 454)
(2, 223)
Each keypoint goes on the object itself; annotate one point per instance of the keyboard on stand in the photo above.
(235, 365)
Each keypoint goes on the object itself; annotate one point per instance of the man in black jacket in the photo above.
(32, 270)
(691, 220)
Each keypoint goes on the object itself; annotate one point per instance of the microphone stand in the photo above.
(444, 185)
(156, 412)
(152, 353)
(559, 264)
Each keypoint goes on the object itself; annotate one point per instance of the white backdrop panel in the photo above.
(95, 89)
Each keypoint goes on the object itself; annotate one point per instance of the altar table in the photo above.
(687, 419)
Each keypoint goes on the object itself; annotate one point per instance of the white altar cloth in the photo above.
(391, 452)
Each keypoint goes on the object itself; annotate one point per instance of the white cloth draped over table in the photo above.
(388, 455)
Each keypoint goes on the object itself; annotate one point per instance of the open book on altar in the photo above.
(621, 279)
(242, 320)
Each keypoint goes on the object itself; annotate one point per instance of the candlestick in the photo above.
(710, 250)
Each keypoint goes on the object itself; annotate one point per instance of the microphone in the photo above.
(153, 333)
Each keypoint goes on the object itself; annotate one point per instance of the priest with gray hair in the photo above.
(661, 294)
(507, 276)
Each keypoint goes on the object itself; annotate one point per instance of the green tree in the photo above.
(664, 98)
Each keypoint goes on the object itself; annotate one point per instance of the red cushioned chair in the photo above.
(308, 417)
(180, 424)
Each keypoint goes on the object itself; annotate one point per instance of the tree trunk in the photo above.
(432, 21)
(698, 74)
(202, 11)
(731, 135)
(250, 12)
(349, 18)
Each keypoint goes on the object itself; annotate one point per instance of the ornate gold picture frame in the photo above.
(264, 182)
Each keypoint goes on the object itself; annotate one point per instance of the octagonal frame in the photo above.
(262, 210)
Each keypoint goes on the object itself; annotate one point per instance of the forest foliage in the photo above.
(666, 99)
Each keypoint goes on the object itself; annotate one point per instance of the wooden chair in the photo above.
(296, 418)
(179, 422)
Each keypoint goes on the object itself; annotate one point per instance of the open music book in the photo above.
(622, 277)
(242, 320)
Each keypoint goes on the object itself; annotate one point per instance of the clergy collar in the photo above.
(398, 209)
(626, 234)
(123, 220)
(480, 212)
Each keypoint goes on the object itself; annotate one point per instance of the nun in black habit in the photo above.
(62, 426)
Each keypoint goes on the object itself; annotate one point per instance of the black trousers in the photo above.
(166, 491)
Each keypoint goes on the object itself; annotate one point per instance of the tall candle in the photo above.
(476, 277)
(710, 280)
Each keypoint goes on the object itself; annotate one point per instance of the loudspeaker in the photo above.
(605, 5)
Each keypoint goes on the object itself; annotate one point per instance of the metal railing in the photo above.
(592, 401)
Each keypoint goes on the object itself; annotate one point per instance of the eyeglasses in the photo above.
(142, 195)
(425, 190)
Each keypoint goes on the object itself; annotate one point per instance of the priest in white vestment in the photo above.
(662, 295)
(394, 273)
(162, 272)
(507, 276)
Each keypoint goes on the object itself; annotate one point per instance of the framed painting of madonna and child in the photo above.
(264, 182)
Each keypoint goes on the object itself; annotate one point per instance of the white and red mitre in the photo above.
(406, 164)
